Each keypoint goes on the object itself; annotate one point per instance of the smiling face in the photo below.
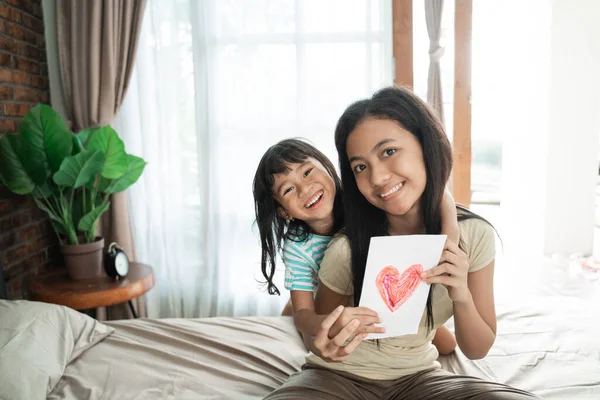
(387, 161)
(306, 192)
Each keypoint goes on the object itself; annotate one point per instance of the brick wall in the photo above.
(27, 242)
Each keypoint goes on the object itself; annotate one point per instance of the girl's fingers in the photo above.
(364, 311)
(371, 329)
(368, 320)
(322, 333)
(448, 257)
(334, 348)
(452, 247)
(331, 318)
(443, 279)
(445, 268)
(350, 347)
(363, 314)
(345, 334)
(347, 315)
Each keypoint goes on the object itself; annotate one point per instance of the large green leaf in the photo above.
(48, 141)
(107, 140)
(82, 204)
(84, 135)
(70, 230)
(77, 146)
(78, 210)
(52, 215)
(59, 228)
(135, 167)
(12, 171)
(88, 220)
(42, 191)
(58, 224)
(79, 169)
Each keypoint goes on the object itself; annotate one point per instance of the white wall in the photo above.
(547, 105)
(574, 127)
(514, 106)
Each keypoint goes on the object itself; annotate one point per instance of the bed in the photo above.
(547, 343)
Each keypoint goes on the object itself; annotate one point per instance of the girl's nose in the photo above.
(380, 175)
(306, 190)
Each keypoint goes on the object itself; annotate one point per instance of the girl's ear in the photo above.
(284, 214)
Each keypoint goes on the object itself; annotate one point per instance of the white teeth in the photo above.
(392, 190)
(314, 200)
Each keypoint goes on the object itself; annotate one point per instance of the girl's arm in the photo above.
(472, 296)
(327, 300)
(288, 311)
(449, 217)
(305, 318)
(475, 319)
(299, 282)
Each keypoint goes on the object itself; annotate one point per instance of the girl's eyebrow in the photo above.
(374, 149)
(301, 166)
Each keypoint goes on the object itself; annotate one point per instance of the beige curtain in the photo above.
(97, 41)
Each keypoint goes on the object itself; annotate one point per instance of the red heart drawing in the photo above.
(394, 288)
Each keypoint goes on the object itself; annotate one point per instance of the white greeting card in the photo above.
(392, 285)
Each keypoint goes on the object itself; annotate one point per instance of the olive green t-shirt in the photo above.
(401, 355)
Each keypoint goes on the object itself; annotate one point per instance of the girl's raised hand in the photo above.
(366, 317)
(452, 272)
(333, 349)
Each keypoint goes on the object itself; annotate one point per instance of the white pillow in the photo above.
(37, 341)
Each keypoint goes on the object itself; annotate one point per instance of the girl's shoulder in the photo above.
(340, 242)
(475, 229)
(305, 240)
(478, 241)
(335, 272)
(338, 249)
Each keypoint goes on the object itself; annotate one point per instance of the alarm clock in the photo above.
(116, 263)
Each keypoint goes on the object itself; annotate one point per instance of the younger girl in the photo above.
(298, 201)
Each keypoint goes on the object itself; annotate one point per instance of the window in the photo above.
(486, 138)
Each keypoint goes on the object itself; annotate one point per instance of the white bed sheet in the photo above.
(548, 342)
(548, 333)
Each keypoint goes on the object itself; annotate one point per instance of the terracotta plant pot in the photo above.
(84, 261)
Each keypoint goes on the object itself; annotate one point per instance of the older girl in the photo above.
(392, 142)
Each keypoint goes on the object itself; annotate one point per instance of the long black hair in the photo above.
(272, 227)
(404, 107)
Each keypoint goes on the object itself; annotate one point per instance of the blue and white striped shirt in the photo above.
(302, 262)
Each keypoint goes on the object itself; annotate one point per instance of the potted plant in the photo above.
(70, 177)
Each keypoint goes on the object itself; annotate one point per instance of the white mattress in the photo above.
(548, 334)
(548, 343)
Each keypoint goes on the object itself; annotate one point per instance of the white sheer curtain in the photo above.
(216, 83)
